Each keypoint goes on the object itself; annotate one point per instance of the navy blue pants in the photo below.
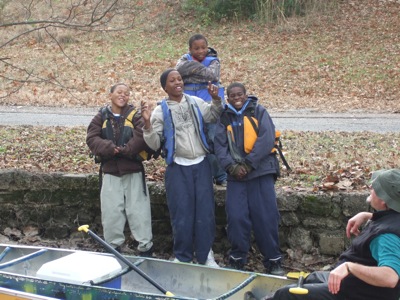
(190, 197)
(251, 205)
(218, 172)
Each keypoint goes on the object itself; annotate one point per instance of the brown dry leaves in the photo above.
(327, 161)
(45, 149)
(348, 60)
(333, 161)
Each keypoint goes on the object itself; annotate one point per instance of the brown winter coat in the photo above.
(125, 162)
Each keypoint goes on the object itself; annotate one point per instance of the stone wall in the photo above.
(312, 224)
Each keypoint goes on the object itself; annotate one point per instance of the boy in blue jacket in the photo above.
(244, 139)
(177, 125)
(198, 67)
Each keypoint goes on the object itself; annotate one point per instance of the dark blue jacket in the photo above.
(260, 158)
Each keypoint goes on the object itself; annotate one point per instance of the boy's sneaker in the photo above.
(148, 253)
(175, 260)
(275, 268)
(210, 262)
(249, 296)
(236, 263)
(222, 183)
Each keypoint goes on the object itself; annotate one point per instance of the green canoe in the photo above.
(74, 275)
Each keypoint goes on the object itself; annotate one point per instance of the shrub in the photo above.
(266, 11)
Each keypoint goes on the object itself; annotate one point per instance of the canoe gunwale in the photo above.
(4, 253)
(22, 259)
(237, 288)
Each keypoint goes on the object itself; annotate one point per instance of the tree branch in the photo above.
(47, 16)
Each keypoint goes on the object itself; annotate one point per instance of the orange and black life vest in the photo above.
(251, 130)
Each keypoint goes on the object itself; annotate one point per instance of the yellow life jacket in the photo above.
(126, 134)
(250, 127)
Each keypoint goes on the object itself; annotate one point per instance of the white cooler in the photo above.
(82, 268)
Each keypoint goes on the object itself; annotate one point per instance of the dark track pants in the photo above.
(351, 288)
(317, 285)
(190, 197)
(218, 172)
(252, 205)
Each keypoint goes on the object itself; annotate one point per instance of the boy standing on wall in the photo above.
(117, 140)
(198, 67)
(244, 139)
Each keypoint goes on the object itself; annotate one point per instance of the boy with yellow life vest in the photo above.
(115, 137)
(244, 144)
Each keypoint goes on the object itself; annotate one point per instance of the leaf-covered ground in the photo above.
(346, 59)
(327, 161)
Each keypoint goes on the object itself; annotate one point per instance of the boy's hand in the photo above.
(248, 168)
(238, 171)
(213, 91)
(145, 110)
(117, 150)
(234, 169)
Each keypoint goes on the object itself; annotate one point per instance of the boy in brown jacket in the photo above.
(115, 136)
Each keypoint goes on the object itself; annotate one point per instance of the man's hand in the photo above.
(335, 278)
(354, 224)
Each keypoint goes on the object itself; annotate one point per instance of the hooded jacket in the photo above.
(188, 142)
(260, 157)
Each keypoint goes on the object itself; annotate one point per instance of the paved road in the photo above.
(301, 121)
(338, 122)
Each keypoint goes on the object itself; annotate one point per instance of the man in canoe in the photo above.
(369, 269)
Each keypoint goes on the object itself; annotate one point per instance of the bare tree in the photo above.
(48, 20)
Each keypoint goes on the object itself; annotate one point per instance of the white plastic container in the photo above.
(82, 268)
